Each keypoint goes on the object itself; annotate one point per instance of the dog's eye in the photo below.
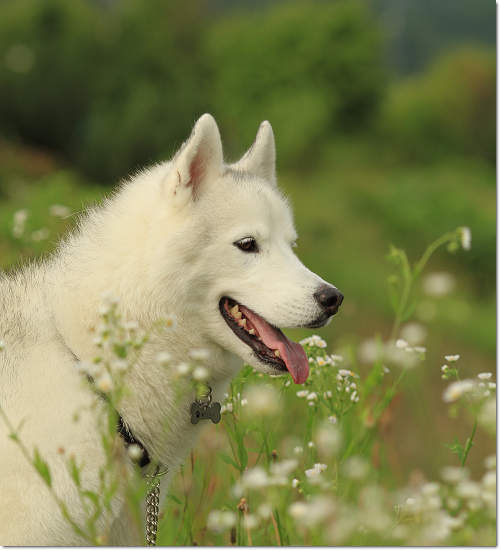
(248, 244)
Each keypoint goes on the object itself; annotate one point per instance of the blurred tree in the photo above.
(310, 68)
(109, 87)
(449, 110)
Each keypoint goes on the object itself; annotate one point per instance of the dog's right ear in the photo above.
(197, 162)
(260, 159)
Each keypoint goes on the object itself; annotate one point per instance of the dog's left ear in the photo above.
(260, 159)
(198, 161)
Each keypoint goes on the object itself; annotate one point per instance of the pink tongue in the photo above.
(293, 354)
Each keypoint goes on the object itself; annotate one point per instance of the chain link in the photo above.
(152, 505)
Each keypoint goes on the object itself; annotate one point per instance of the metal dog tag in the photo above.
(204, 410)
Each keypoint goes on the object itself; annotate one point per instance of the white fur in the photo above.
(163, 243)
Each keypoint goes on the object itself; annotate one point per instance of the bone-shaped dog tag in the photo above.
(211, 412)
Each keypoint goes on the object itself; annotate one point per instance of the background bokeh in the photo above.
(384, 118)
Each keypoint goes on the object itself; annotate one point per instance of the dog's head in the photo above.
(236, 240)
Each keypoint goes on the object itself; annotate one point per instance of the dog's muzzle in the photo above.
(329, 298)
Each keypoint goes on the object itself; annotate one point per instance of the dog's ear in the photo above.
(198, 161)
(260, 159)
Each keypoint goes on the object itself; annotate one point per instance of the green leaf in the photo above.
(92, 497)
(42, 467)
(74, 471)
(174, 499)
(243, 457)
(229, 461)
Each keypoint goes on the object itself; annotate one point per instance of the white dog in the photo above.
(194, 237)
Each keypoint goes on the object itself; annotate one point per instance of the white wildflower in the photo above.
(313, 472)
(490, 462)
(321, 343)
(465, 238)
(312, 396)
(452, 358)
(170, 322)
(336, 358)
(264, 511)
(200, 374)
(164, 358)
(410, 501)
(310, 444)
(229, 407)
(302, 393)
(327, 394)
(134, 452)
(321, 362)
(468, 489)
(262, 400)
(256, 478)
(244, 402)
(401, 344)
(492, 385)
(199, 354)
(430, 489)
(298, 509)
(485, 375)
(183, 369)
(321, 467)
(109, 298)
(414, 333)
(104, 382)
(490, 480)
(285, 467)
(287, 383)
(453, 474)
(333, 419)
(119, 365)
(40, 234)
(20, 216)
(295, 483)
(219, 521)
(438, 283)
(59, 211)
(456, 390)
(486, 393)
(131, 326)
(487, 415)
(298, 450)
(354, 396)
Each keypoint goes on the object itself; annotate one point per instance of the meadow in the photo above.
(392, 440)
(371, 450)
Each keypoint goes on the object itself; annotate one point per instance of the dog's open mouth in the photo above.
(268, 343)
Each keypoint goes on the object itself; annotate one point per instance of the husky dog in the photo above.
(194, 237)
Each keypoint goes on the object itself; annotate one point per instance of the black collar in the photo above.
(125, 432)
(129, 439)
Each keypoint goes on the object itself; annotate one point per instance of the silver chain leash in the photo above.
(152, 505)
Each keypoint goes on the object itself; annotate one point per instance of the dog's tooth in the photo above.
(277, 353)
(234, 310)
(251, 331)
(238, 315)
(259, 338)
(242, 323)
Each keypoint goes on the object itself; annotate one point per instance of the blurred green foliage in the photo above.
(451, 108)
(311, 68)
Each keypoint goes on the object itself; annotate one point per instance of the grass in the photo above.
(388, 447)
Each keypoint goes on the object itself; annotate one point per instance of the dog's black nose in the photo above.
(329, 298)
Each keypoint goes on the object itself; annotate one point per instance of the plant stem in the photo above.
(468, 445)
